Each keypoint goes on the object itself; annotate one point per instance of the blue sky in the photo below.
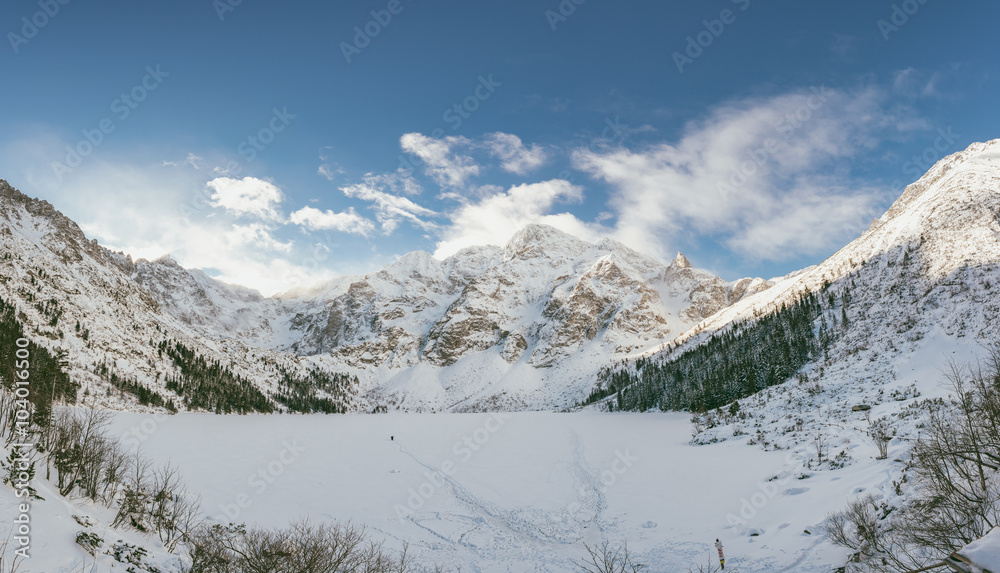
(277, 144)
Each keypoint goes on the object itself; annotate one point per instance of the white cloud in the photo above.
(347, 221)
(256, 235)
(514, 156)
(748, 174)
(191, 160)
(447, 167)
(327, 168)
(247, 196)
(149, 210)
(494, 219)
(389, 208)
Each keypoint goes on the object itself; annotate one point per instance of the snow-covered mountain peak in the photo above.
(526, 325)
(681, 262)
(928, 264)
(414, 263)
(166, 261)
(979, 162)
(543, 241)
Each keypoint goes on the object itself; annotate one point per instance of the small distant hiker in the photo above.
(392, 438)
(722, 558)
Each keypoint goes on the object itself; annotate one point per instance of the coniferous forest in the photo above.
(129, 385)
(210, 385)
(48, 381)
(299, 394)
(730, 365)
(201, 384)
(213, 386)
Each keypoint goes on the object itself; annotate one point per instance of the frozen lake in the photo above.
(508, 492)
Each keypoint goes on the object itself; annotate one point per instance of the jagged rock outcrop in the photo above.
(547, 308)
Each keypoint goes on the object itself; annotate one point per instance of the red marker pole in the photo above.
(722, 558)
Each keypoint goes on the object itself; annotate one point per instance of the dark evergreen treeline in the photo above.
(302, 394)
(130, 385)
(45, 370)
(209, 385)
(734, 364)
(203, 384)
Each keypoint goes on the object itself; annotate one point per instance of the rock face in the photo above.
(539, 299)
(926, 270)
(522, 326)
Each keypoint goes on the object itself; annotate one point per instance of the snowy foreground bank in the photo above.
(511, 492)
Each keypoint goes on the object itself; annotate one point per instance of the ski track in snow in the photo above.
(523, 527)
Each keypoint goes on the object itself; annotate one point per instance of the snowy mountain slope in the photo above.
(913, 294)
(77, 297)
(917, 289)
(487, 315)
(932, 255)
(524, 326)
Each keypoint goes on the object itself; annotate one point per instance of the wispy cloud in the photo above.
(191, 160)
(755, 173)
(328, 168)
(763, 177)
(515, 157)
(256, 235)
(494, 219)
(148, 209)
(391, 208)
(446, 166)
(347, 221)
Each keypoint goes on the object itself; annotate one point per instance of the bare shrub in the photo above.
(881, 433)
(134, 499)
(303, 547)
(606, 559)
(956, 467)
(172, 514)
(708, 567)
(77, 443)
(10, 562)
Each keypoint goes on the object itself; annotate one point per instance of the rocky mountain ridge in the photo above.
(523, 326)
(914, 291)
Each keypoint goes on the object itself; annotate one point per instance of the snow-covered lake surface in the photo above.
(511, 492)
